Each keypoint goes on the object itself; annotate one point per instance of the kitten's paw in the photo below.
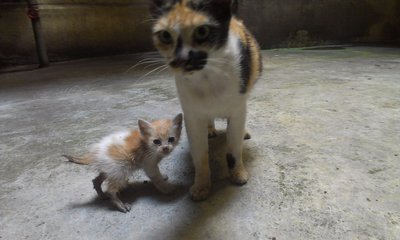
(167, 188)
(239, 176)
(123, 207)
(212, 133)
(199, 193)
(127, 207)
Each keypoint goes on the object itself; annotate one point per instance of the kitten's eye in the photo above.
(201, 33)
(157, 141)
(165, 37)
(171, 139)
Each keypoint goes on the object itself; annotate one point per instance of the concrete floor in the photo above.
(324, 158)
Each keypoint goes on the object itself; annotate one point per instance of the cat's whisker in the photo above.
(218, 60)
(152, 64)
(146, 61)
(217, 70)
(154, 70)
(149, 20)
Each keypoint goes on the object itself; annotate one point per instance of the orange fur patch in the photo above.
(183, 16)
(246, 38)
(162, 127)
(126, 152)
(237, 27)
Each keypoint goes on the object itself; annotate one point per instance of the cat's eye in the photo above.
(157, 141)
(165, 37)
(171, 139)
(201, 33)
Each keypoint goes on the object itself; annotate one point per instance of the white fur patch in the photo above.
(103, 161)
(215, 90)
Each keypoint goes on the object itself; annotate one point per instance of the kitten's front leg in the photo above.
(235, 133)
(196, 128)
(160, 182)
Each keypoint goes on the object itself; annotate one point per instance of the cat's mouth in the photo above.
(189, 66)
(194, 62)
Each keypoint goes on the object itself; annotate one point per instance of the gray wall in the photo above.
(280, 23)
(86, 28)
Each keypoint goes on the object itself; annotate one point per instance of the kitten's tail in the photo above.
(85, 160)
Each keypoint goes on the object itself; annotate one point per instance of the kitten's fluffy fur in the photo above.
(216, 62)
(117, 155)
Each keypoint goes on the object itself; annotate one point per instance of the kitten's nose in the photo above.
(165, 149)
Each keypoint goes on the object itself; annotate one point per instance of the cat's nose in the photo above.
(178, 62)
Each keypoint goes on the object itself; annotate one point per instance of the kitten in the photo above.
(117, 155)
(216, 62)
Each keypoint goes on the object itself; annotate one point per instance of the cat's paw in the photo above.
(199, 193)
(239, 176)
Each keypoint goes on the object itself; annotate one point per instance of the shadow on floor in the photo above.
(223, 193)
(133, 192)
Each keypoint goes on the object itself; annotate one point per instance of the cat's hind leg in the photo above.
(235, 133)
(212, 131)
(114, 186)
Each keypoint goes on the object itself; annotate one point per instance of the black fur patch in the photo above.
(230, 160)
(221, 11)
(197, 60)
(235, 7)
(160, 7)
(179, 45)
(245, 62)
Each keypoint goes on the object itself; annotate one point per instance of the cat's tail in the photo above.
(84, 160)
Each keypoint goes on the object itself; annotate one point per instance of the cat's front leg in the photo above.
(235, 133)
(160, 182)
(196, 128)
(212, 132)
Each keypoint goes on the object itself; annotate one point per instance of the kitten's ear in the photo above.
(145, 128)
(177, 121)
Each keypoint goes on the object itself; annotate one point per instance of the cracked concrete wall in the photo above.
(86, 28)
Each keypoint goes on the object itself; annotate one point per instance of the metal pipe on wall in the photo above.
(33, 14)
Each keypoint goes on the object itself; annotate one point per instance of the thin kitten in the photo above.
(117, 155)
(216, 62)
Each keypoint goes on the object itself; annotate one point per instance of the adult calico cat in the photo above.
(216, 62)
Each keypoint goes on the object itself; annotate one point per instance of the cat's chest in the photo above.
(213, 90)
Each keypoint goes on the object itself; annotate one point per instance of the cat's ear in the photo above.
(221, 10)
(177, 121)
(159, 7)
(145, 128)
